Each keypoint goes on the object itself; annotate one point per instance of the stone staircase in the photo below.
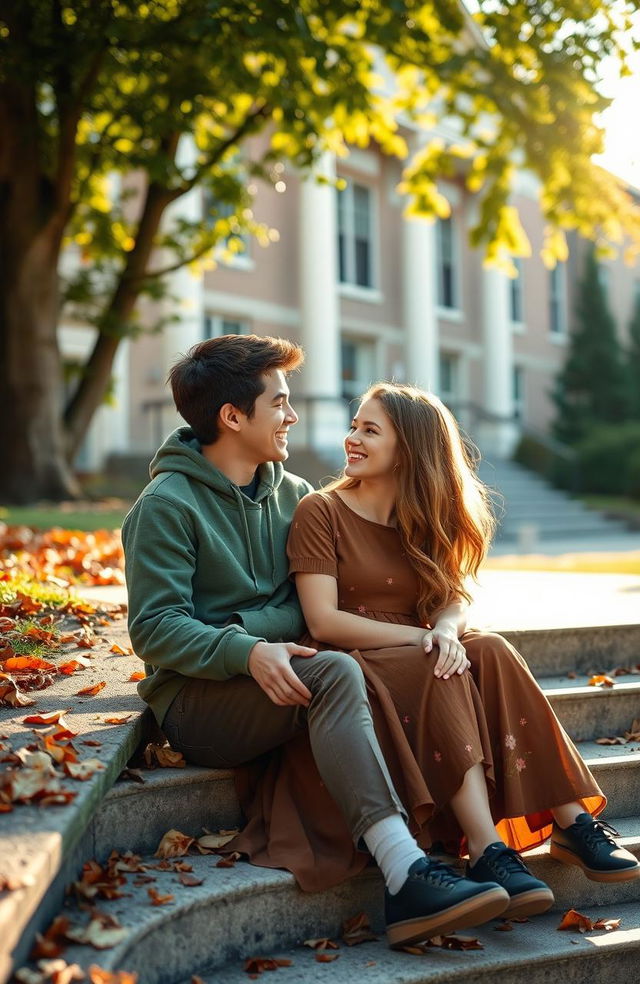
(529, 507)
(245, 911)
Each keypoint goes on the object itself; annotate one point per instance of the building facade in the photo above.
(370, 294)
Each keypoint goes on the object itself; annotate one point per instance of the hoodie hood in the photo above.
(182, 452)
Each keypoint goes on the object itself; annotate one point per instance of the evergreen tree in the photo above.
(591, 388)
(633, 361)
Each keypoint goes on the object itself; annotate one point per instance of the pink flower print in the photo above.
(389, 580)
(520, 764)
(510, 741)
(523, 721)
(468, 748)
(405, 719)
(361, 608)
(437, 756)
(352, 589)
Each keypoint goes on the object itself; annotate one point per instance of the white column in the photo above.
(185, 286)
(322, 414)
(498, 433)
(422, 353)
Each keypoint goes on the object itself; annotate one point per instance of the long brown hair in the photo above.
(442, 508)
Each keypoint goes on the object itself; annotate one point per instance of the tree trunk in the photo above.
(34, 464)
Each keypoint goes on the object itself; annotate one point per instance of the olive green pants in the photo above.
(221, 724)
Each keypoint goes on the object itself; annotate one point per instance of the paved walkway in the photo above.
(509, 600)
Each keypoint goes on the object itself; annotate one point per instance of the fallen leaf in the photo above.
(174, 844)
(139, 675)
(22, 663)
(99, 976)
(505, 926)
(55, 717)
(189, 881)
(163, 756)
(117, 720)
(601, 680)
(229, 861)
(575, 920)
(120, 651)
(92, 690)
(83, 770)
(607, 924)
(323, 943)
(255, 965)
(98, 935)
(93, 742)
(212, 841)
(326, 957)
(453, 941)
(157, 899)
(357, 930)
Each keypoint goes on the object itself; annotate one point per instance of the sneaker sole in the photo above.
(530, 903)
(565, 856)
(471, 912)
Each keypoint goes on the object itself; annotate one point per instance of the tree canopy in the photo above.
(93, 89)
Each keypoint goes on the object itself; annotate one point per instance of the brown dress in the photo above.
(431, 731)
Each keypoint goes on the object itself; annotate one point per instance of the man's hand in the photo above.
(452, 657)
(270, 667)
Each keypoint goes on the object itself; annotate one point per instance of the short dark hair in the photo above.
(223, 370)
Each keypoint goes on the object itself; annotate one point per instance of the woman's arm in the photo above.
(454, 617)
(318, 595)
(447, 627)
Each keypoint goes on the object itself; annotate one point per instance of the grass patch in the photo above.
(69, 515)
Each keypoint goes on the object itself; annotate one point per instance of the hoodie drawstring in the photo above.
(247, 535)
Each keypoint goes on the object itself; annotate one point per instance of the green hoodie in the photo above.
(206, 568)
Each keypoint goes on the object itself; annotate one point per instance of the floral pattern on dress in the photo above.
(510, 742)
(437, 756)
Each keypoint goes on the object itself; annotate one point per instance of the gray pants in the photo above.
(221, 724)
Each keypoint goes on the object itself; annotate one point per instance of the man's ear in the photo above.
(230, 417)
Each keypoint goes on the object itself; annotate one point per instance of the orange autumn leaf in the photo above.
(83, 770)
(51, 942)
(55, 717)
(102, 933)
(163, 756)
(10, 695)
(323, 957)
(139, 675)
(601, 680)
(453, 941)
(323, 943)
(92, 690)
(99, 976)
(157, 899)
(189, 881)
(58, 752)
(70, 667)
(576, 920)
(120, 650)
(118, 720)
(23, 663)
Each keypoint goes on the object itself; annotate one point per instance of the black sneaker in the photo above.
(435, 900)
(590, 844)
(503, 865)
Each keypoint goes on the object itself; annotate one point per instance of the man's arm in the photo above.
(160, 560)
(281, 619)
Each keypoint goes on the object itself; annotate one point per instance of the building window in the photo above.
(355, 235)
(518, 393)
(449, 379)
(516, 294)
(358, 366)
(557, 303)
(447, 273)
(219, 324)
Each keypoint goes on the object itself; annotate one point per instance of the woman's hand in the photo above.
(452, 657)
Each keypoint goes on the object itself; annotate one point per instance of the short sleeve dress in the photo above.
(431, 731)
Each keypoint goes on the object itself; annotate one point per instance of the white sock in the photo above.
(394, 849)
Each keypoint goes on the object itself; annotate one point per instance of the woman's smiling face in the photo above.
(371, 445)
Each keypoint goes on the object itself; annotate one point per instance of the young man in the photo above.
(215, 617)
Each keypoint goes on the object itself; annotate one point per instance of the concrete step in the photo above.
(194, 798)
(244, 911)
(584, 650)
(533, 952)
(594, 712)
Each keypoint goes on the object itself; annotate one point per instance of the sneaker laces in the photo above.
(438, 873)
(599, 832)
(508, 862)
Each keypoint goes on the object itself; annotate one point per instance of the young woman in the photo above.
(381, 560)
